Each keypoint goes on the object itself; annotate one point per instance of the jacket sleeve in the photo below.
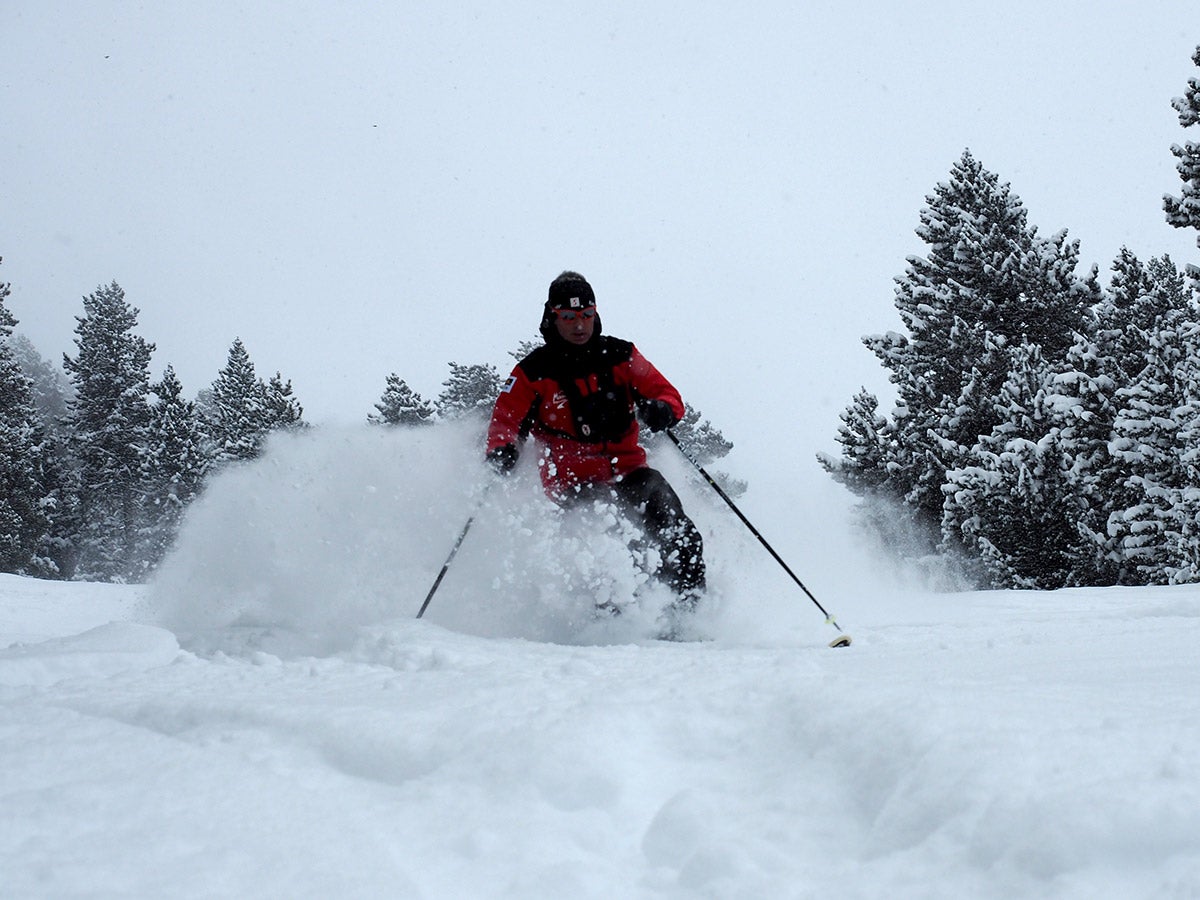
(649, 384)
(516, 401)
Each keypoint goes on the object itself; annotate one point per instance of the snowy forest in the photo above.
(97, 462)
(1045, 433)
(1046, 427)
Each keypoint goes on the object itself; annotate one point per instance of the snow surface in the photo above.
(268, 718)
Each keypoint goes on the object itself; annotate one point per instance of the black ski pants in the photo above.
(646, 497)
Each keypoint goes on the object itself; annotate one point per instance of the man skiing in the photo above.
(577, 395)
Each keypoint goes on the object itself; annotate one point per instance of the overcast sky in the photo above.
(356, 189)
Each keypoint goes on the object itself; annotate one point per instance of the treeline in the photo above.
(1046, 429)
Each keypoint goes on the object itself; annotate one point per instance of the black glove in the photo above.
(657, 414)
(503, 458)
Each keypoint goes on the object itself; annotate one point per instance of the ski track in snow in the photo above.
(234, 732)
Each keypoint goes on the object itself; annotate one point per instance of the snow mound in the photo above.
(34, 610)
(112, 649)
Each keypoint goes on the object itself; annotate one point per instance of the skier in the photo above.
(577, 396)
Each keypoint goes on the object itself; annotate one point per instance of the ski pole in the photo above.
(843, 640)
(462, 536)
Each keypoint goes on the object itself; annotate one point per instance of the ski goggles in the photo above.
(570, 315)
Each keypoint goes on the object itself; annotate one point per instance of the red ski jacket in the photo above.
(578, 403)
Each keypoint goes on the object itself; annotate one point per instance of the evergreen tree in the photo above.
(174, 464)
(1095, 479)
(109, 419)
(1150, 408)
(235, 412)
(1184, 211)
(1143, 299)
(1145, 440)
(240, 410)
(470, 389)
(1121, 315)
(987, 271)
(400, 405)
(24, 523)
(283, 410)
(864, 436)
(49, 458)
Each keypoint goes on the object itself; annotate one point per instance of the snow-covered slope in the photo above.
(269, 719)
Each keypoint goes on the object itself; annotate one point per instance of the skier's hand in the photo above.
(657, 414)
(503, 458)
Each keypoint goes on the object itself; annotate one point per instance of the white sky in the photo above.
(355, 189)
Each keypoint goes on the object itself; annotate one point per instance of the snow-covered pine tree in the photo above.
(470, 389)
(1147, 444)
(24, 523)
(239, 410)
(234, 412)
(50, 459)
(283, 410)
(174, 463)
(108, 420)
(1184, 211)
(52, 396)
(988, 281)
(1087, 388)
(1121, 314)
(864, 436)
(1143, 301)
(400, 405)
